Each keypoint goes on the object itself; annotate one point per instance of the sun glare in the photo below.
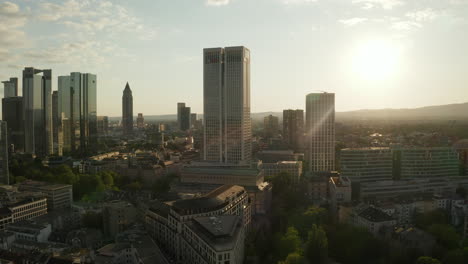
(376, 60)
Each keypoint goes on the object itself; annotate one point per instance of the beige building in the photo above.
(59, 196)
(207, 229)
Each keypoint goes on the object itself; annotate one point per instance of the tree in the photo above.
(92, 220)
(438, 216)
(288, 243)
(317, 245)
(294, 258)
(445, 235)
(303, 220)
(427, 260)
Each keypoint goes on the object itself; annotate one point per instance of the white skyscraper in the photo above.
(320, 130)
(226, 93)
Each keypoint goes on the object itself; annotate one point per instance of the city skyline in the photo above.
(398, 34)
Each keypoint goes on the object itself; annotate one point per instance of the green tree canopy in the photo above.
(427, 260)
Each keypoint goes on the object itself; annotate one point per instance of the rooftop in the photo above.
(44, 185)
(374, 215)
(221, 170)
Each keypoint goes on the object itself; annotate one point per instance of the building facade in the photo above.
(270, 125)
(12, 113)
(4, 171)
(226, 106)
(37, 108)
(292, 168)
(127, 110)
(140, 121)
(59, 196)
(77, 107)
(320, 131)
(10, 88)
(293, 128)
(185, 119)
(366, 164)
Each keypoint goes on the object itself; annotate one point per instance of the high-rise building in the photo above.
(320, 130)
(127, 110)
(77, 103)
(185, 119)
(140, 121)
(193, 119)
(103, 125)
(180, 106)
(37, 105)
(226, 93)
(293, 128)
(4, 173)
(10, 88)
(12, 113)
(271, 125)
(56, 131)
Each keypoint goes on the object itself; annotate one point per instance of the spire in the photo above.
(127, 87)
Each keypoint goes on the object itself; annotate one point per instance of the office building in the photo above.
(226, 106)
(273, 156)
(185, 119)
(59, 196)
(56, 128)
(366, 164)
(373, 220)
(102, 125)
(293, 129)
(208, 229)
(193, 120)
(117, 217)
(12, 114)
(291, 168)
(421, 162)
(180, 106)
(4, 172)
(77, 104)
(127, 110)
(37, 105)
(10, 88)
(320, 131)
(140, 121)
(270, 125)
(339, 191)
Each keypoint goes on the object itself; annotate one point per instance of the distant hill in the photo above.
(437, 112)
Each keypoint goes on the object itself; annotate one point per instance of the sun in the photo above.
(376, 60)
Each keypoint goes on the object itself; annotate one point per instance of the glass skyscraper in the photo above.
(4, 173)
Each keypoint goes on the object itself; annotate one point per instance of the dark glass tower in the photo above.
(4, 174)
(127, 110)
(37, 105)
(12, 113)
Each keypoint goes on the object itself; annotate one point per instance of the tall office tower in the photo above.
(180, 106)
(320, 130)
(10, 88)
(77, 104)
(127, 110)
(4, 173)
(293, 129)
(37, 105)
(226, 92)
(185, 119)
(271, 125)
(56, 131)
(140, 121)
(193, 119)
(12, 113)
(103, 125)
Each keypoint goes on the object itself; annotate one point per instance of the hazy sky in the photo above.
(371, 53)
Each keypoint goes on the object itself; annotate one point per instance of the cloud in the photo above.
(93, 16)
(406, 25)
(427, 14)
(385, 4)
(12, 21)
(288, 2)
(217, 2)
(352, 21)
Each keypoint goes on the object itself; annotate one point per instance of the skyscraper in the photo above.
(4, 173)
(180, 106)
(56, 131)
(10, 88)
(193, 119)
(103, 125)
(293, 128)
(185, 119)
(270, 125)
(77, 103)
(12, 113)
(37, 105)
(127, 110)
(140, 121)
(320, 130)
(226, 106)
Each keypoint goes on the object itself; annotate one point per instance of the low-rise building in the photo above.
(30, 231)
(339, 189)
(372, 219)
(207, 229)
(292, 168)
(59, 196)
(118, 216)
